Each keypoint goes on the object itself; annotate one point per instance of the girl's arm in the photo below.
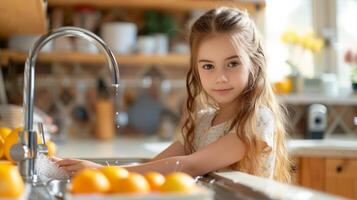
(72, 166)
(175, 149)
(221, 153)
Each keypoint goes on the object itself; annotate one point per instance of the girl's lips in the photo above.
(222, 91)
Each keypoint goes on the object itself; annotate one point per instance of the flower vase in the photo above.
(296, 82)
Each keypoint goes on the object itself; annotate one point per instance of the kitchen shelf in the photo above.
(7, 56)
(302, 99)
(22, 17)
(180, 5)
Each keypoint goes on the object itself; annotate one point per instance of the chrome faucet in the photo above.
(27, 148)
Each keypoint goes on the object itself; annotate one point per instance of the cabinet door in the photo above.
(341, 177)
(312, 173)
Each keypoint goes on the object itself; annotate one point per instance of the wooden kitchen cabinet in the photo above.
(332, 175)
(312, 173)
(22, 17)
(341, 177)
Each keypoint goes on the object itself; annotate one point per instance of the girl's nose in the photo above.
(222, 77)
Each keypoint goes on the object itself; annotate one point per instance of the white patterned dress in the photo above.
(205, 134)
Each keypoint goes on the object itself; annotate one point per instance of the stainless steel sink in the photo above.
(223, 188)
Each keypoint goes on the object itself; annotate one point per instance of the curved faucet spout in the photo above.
(28, 140)
(29, 75)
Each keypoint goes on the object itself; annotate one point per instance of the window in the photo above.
(346, 37)
(281, 15)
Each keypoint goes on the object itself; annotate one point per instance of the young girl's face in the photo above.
(223, 74)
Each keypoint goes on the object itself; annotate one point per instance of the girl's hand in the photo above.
(72, 166)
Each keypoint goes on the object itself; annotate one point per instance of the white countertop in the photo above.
(124, 147)
(341, 148)
(344, 100)
(119, 147)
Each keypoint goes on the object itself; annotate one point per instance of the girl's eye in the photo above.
(233, 64)
(207, 66)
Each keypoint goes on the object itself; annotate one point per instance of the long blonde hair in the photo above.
(257, 93)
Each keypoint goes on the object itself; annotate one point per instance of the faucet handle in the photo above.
(42, 148)
(42, 132)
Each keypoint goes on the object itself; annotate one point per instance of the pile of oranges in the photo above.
(117, 180)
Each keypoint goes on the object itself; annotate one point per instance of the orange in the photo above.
(155, 180)
(178, 182)
(11, 182)
(1, 147)
(6, 162)
(51, 146)
(113, 173)
(89, 181)
(4, 132)
(283, 87)
(10, 140)
(134, 183)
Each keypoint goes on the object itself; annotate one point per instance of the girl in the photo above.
(232, 119)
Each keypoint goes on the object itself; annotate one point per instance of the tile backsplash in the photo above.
(69, 95)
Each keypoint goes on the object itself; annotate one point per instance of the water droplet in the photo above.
(212, 181)
(116, 88)
(197, 178)
(116, 113)
(177, 166)
(118, 126)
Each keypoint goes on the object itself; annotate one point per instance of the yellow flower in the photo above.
(317, 45)
(310, 42)
(290, 37)
(306, 41)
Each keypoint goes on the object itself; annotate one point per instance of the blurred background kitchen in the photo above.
(311, 48)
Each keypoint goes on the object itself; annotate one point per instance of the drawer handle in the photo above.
(339, 169)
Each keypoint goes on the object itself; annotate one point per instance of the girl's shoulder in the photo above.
(204, 113)
(265, 115)
(266, 124)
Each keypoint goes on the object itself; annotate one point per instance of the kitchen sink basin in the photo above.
(224, 188)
